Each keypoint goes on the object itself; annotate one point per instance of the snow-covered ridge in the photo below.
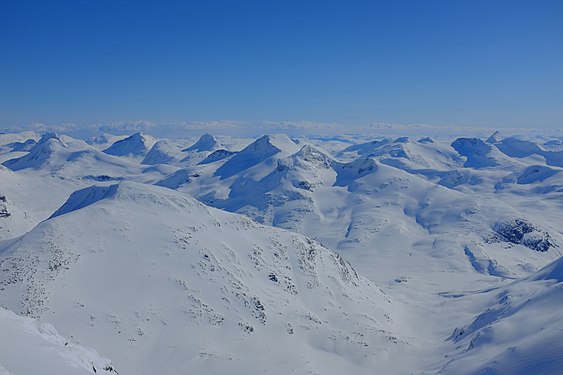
(85, 197)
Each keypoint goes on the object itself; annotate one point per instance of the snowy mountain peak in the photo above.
(136, 144)
(425, 140)
(23, 146)
(258, 151)
(207, 142)
(348, 172)
(274, 142)
(48, 135)
(494, 138)
(161, 152)
(402, 140)
(39, 154)
(217, 155)
(477, 152)
(314, 156)
(126, 191)
(175, 180)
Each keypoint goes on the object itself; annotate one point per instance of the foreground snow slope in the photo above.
(520, 331)
(29, 347)
(162, 284)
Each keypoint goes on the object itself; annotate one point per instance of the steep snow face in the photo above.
(175, 180)
(258, 151)
(29, 347)
(519, 332)
(206, 142)
(198, 290)
(134, 145)
(478, 153)
(85, 197)
(217, 155)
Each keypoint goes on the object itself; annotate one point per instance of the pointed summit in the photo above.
(256, 152)
(136, 144)
(38, 154)
(313, 156)
(206, 142)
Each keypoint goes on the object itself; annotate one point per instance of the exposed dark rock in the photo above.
(521, 232)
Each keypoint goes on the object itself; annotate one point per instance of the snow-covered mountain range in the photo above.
(386, 255)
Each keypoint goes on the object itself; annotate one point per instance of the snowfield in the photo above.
(281, 255)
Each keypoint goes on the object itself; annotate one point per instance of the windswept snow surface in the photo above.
(392, 255)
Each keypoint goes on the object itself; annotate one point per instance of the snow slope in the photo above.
(519, 332)
(197, 290)
(29, 347)
(162, 152)
(13, 220)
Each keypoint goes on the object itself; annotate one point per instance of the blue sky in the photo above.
(451, 62)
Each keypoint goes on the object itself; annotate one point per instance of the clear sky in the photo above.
(450, 62)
